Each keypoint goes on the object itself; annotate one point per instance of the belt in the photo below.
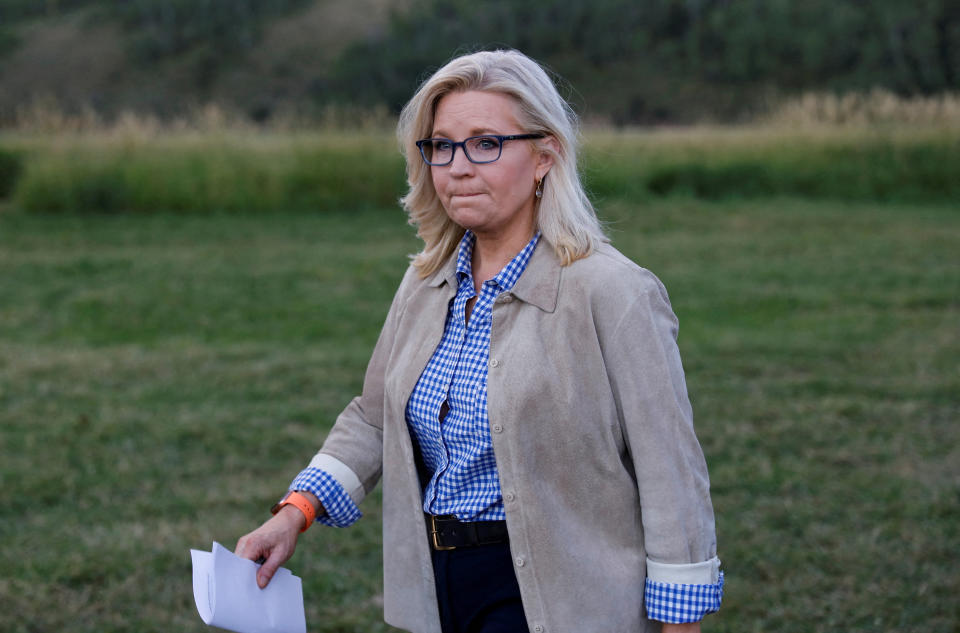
(447, 532)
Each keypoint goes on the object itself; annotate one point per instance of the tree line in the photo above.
(664, 59)
(629, 61)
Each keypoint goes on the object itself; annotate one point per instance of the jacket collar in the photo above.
(445, 274)
(539, 284)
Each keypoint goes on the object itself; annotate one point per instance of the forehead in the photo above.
(475, 112)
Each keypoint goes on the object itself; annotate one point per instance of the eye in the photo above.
(487, 143)
(442, 145)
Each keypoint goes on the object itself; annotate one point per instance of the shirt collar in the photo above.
(507, 276)
(465, 255)
(540, 285)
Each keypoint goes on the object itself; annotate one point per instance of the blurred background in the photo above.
(626, 63)
(200, 237)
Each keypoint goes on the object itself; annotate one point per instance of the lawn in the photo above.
(164, 376)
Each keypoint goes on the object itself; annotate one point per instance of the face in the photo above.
(494, 200)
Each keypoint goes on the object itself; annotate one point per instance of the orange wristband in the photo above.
(302, 503)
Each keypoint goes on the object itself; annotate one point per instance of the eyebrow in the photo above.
(474, 132)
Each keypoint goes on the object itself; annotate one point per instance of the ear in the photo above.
(547, 148)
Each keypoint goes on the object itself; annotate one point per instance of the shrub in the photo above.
(11, 166)
(867, 170)
(212, 175)
(241, 172)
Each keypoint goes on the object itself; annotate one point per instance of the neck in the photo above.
(491, 254)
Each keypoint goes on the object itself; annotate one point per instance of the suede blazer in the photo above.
(603, 478)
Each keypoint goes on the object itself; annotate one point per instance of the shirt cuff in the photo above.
(683, 593)
(341, 511)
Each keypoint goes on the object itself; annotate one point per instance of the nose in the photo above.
(461, 165)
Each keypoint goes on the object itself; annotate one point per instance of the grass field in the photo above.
(163, 376)
(141, 168)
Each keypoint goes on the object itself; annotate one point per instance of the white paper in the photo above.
(227, 596)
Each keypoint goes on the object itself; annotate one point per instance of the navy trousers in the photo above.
(477, 590)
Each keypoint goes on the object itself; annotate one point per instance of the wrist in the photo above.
(302, 504)
(293, 517)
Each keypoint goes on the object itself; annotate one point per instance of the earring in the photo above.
(539, 192)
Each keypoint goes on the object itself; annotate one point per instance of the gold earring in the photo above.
(539, 192)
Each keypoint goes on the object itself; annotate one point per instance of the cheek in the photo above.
(439, 181)
(519, 181)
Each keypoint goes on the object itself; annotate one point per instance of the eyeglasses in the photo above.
(478, 149)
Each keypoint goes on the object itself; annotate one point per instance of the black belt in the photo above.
(447, 532)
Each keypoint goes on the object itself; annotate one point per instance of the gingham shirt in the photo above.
(458, 453)
(679, 603)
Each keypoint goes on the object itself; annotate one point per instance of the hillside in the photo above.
(85, 58)
(659, 61)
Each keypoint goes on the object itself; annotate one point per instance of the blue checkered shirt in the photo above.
(679, 603)
(458, 454)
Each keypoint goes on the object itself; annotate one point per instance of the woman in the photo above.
(525, 402)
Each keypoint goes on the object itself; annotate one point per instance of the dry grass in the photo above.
(214, 160)
(814, 117)
(877, 107)
(44, 119)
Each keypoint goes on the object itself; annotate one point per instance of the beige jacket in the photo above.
(603, 479)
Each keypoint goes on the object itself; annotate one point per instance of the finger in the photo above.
(243, 545)
(251, 549)
(269, 568)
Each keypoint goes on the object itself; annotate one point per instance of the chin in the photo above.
(466, 217)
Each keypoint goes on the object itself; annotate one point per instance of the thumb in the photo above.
(269, 567)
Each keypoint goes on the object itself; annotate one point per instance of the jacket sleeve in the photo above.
(657, 423)
(353, 451)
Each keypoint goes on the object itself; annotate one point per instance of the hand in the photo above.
(274, 541)
(691, 627)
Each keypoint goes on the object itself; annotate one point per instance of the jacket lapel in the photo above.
(539, 284)
(424, 319)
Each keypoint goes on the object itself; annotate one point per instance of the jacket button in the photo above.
(509, 496)
(520, 561)
(538, 628)
(505, 298)
(497, 428)
(494, 363)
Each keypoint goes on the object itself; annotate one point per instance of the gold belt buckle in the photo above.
(434, 532)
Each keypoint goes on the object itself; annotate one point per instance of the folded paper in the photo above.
(227, 596)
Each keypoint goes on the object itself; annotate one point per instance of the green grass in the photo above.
(206, 173)
(143, 170)
(11, 165)
(918, 164)
(162, 378)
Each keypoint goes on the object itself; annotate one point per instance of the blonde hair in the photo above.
(565, 217)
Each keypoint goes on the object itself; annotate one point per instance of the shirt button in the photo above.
(498, 428)
(509, 496)
(520, 561)
(494, 363)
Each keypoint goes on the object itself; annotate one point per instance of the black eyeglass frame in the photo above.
(463, 144)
